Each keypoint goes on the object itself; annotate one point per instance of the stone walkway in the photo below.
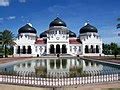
(104, 86)
(108, 59)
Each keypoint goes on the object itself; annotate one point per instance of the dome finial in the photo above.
(28, 22)
(87, 22)
(58, 15)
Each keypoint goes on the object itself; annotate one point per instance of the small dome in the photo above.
(27, 29)
(57, 22)
(43, 34)
(72, 34)
(88, 28)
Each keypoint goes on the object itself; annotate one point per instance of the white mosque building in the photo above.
(58, 39)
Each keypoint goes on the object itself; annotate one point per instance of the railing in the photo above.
(31, 79)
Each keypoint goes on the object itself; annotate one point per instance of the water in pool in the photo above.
(60, 67)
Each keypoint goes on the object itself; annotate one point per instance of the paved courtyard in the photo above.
(104, 86)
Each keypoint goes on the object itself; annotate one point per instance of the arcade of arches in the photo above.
(92, 49)
(57, 49)
(24, 50)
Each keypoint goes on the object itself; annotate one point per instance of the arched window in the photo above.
(57, 48)
(86, 49)
(92, 49)
(52, 49)
(64, 49)
(29, 51)
(18, 50)
(24, 50)
(97, 49)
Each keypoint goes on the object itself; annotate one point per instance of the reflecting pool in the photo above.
(60, 67)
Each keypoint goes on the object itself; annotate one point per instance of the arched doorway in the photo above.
(58, 49)
(64, 50)
(18, 50)
(52, 49)
(29, 51)
(24, 50)
(97, 49)
(91, 49)
(86, 49)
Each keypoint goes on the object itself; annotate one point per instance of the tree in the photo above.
(111, 49)
(114, 47)
(8, 40)
(106, 49)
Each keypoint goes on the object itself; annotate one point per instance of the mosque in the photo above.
(57, 40)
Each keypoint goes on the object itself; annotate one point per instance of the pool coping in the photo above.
(100, 61)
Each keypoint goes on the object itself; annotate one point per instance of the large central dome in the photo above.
(57, 22)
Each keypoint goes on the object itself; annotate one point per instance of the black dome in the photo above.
(88, 28)
(72, 34)
(57, 22)
(27, 29)
(43, 34)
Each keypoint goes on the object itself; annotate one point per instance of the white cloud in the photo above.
(11, 17)
(4, 2)
(22, 1)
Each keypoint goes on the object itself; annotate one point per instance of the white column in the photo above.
(83, 49)
(54, 49)
(60, 48)
(100, 49)
(48, 49)
(15, 49)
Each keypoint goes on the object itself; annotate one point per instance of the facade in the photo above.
(58, 39)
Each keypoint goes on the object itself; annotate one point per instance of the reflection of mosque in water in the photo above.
(57, 66)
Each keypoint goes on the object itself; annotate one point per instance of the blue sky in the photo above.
(102, 14)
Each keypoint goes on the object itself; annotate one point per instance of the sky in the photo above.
(102, 14)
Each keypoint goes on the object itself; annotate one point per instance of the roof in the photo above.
(75, 41)
(27, 29)
(57, 22)
(88, 28)
(72, 34)
(40, 41)
(43, 34)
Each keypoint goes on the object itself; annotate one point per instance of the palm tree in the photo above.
(8, 40)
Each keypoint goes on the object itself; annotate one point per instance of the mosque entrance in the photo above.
(86, 49)
(97, 49)
(29, 51)
(64, 49)
(52, 49)
(58, 49)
